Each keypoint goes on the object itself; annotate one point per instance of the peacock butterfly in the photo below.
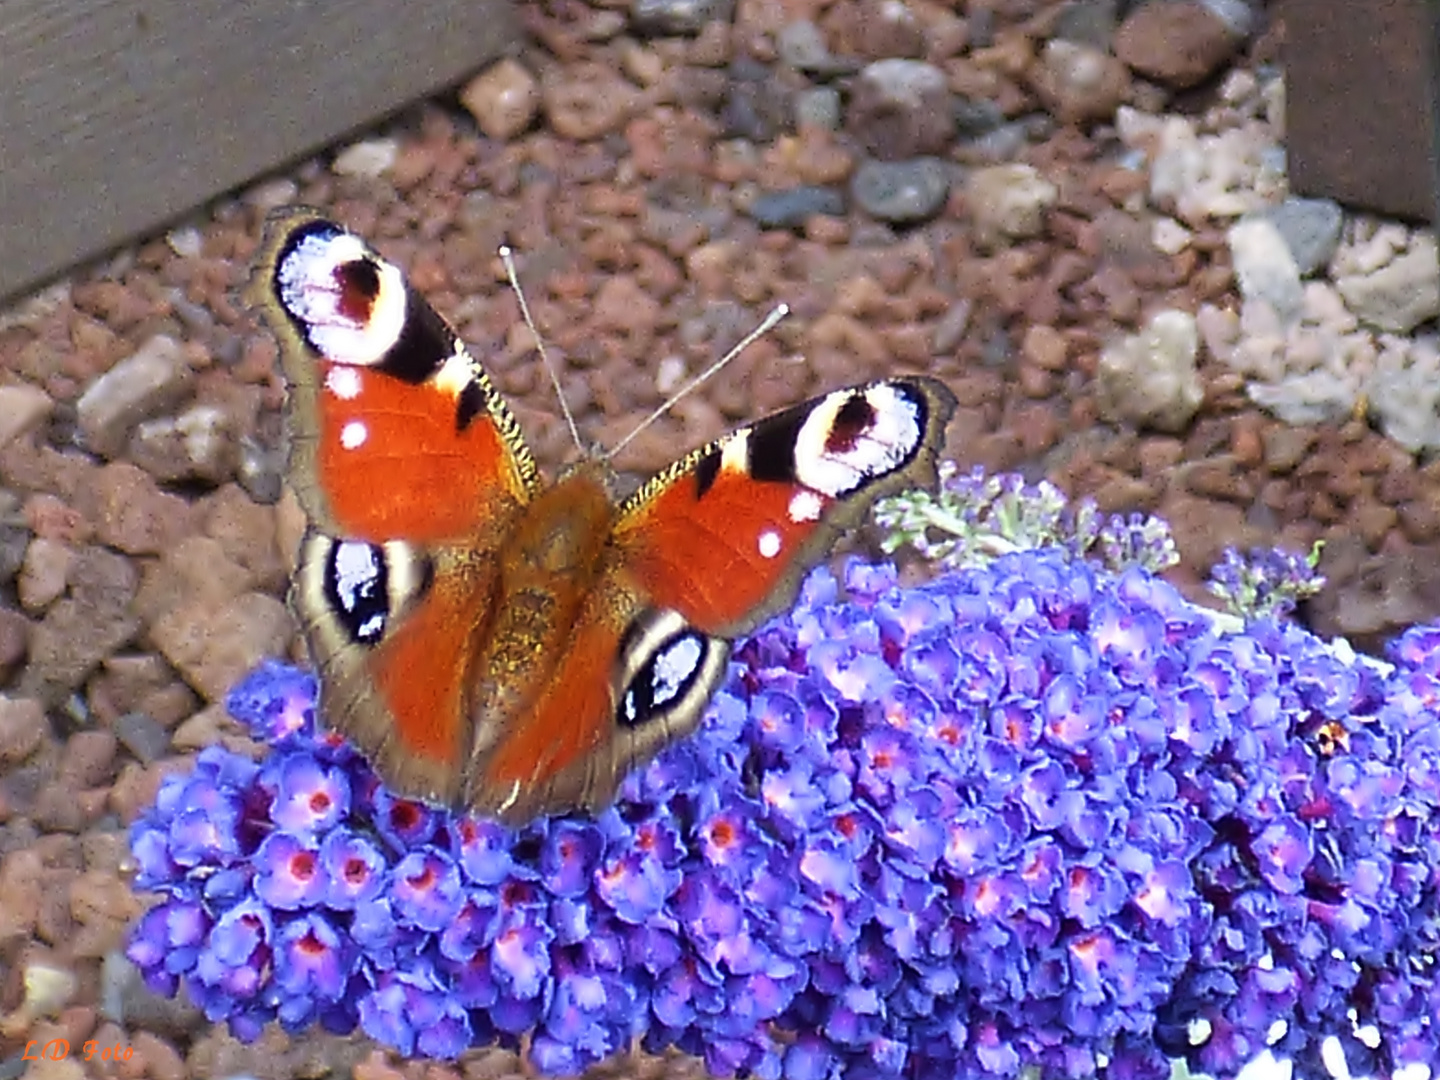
(493, 641)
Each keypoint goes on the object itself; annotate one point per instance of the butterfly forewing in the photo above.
(724, 535)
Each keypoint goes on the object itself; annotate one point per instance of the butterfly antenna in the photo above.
(766, 325)
(507, 257)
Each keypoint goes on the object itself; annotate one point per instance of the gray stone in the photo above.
(818, 108)
(1310, 229)
(1265, 269)
(1399, 296)
(975, 117)
(1088, 22)
(901, 192)
(901, 109)
(679, 16)
(801, 45)
(1149, 379)
(1237, 15)
(143, 736)
(790, 208)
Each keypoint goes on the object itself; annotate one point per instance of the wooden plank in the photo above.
(117, 116)
(1358, 119)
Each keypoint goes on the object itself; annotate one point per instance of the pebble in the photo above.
(679, 16)
(1008, 203)
(901, 192)
(901, 109)
(1399, 296)
(1080, 83)
(801, 45)
(1179, 43)
(42, 575)
(1310, 229)
(140, 734)
(150, 380)
(587, 103)
(1264, 267)
(368, 160)
(503, 99)
(198, 444)
(1169, 236)
(1403, 395)
(23, 408)
(1088, 22)
(818, 107)
(23, 728)
(791, 208)
(975, 117)
(213, 647)
(1149, 379)
(131, 513)
(89, 623)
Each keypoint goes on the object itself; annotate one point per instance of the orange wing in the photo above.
(411, 469)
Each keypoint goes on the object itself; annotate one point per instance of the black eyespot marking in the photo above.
(668, 675)
(357, 588)
(470, 405)
(706, 470)
(771, 448)
(424, 344)
(852, 420)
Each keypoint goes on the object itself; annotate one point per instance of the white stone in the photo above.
(1150, 379)
(1008, 202)
(1399, 296)
(1264, 267)
(1169, 236)
(369, 159)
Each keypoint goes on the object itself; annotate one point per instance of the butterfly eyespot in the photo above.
(669, 669)
(355, 582)
(362, 586)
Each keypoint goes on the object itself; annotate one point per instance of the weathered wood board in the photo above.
(1359, 118)
(117, 116)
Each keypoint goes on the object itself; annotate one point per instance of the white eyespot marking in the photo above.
(673, 667)
(769, 543)
(360, 587)
(805, 506)
(343, 382)
(735, 456)
(353, 435)
(855, 436)
(350, 302)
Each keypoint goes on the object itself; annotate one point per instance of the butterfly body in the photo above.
(496, 642)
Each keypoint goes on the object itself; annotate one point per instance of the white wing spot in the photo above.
(769, 543)
(353, 435)
(673, 667)
(805, 506)
(343, 382)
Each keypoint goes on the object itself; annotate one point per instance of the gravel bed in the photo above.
(1075, 213)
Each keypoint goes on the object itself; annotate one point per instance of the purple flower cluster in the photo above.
(1268, 582)
(1029, 816)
